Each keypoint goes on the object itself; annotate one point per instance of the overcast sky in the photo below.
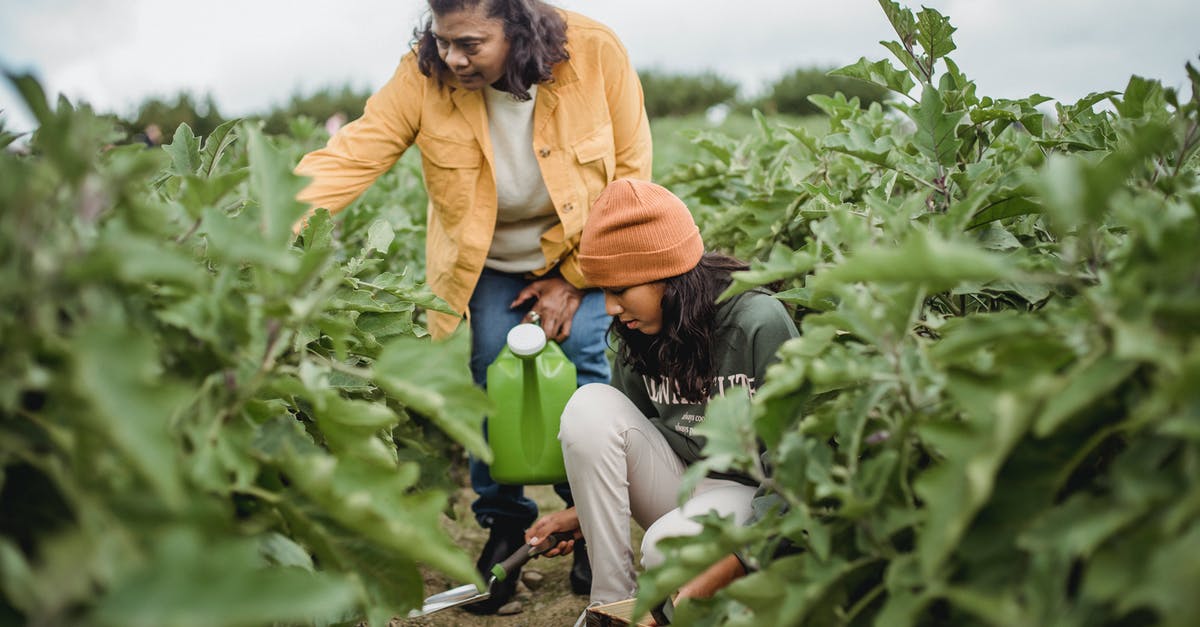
(252, 54)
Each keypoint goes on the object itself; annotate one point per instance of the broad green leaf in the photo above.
(936, 134)
(1078, 526)
(17, 580)
(185, 151)
(281, 550)
(351, 428)
(974, 451)
(232, 240)
(879, 73)
(858, 142)
(1004, 208)
(200, 192)
(905, 55)
(379, 236)
(1171, 580)
(380, 505)
(274, 186)
(923, 259)
(934, 33)
(131, 400)
(6, 138)
(32, 94)
(902, 20)
(193, 581)
(1081, 387)
(781, 264)
(433, 380)
(730, 442)
(991, 606)
(138, 260)
(215, 145)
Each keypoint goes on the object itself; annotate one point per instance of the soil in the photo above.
(551, 604)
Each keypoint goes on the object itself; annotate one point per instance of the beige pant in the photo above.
(620, 466)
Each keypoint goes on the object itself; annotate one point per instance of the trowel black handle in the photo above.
(516, 560)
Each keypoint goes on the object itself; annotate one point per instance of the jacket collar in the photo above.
(474, 109)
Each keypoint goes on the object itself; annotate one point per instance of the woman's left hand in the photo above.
(556, 303)
(566, 520)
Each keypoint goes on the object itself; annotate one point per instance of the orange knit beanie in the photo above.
(638, 232)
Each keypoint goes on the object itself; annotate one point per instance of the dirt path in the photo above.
(551, 604)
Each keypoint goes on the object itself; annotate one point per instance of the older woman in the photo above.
(522, 113)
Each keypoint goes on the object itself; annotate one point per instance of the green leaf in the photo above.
(1004, 208)
(132, 401)
(32, 94)
(1075, 528)
(433, 380)
(230, 240)
(281, 550)
(781, 264)
(1081, 387)
(200, 192)
(138, 260)
(936, 136)
(274, 186)
(879, 73)
(379, 504)
(905, 56)
(923, 259)
(993, 606)
(730, 442)
(934, 33)
(902, 20)
(379, 236)
(351, 428)
(185, 152)
(974, 450)
(220, 139)
(195, 581)
(858, 141)
(1171, 580)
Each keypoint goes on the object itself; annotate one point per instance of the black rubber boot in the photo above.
(503, 541)
(581, 569)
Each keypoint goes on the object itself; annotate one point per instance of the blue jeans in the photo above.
(491, 318)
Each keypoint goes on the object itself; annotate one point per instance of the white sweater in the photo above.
(525, 210)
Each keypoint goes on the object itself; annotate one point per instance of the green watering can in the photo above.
(529, 384)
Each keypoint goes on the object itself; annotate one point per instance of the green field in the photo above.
(991, 416)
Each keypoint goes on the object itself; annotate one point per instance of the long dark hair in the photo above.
(684, 347)
(537, 39)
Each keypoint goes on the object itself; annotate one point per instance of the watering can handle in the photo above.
(525, 553)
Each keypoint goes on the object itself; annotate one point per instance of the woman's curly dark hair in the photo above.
(684, 346)
(537, 38)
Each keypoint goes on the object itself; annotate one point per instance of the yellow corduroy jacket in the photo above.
(590, 127)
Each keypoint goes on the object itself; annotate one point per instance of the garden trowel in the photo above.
(468, 593)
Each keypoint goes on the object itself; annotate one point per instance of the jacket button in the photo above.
(544, 152)
(568, 208)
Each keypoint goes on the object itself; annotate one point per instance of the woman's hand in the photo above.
(566, 520)
(556, 303)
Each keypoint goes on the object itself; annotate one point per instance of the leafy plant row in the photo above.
(203, 421)
(992, 416)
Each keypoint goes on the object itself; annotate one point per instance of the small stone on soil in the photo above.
(532, 578)
(510, 608)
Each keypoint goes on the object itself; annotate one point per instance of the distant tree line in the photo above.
(666, 94)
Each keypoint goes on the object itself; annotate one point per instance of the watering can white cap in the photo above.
(526, 340)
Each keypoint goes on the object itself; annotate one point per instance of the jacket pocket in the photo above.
(451, 171)
(596, 157)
